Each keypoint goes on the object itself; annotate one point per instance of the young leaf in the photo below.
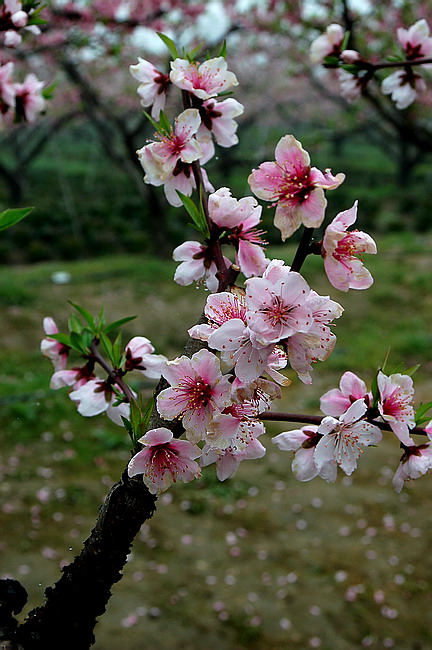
(75, 324)
(195, 213)
(421, 413)
(191, 56)
(48, 92)
(117, 323)
(11, 216)
(128, 427)
(76, 342)
(223, 49)
(146, 414)
(84, 313)
(375, 390)
(344, 45)
(117, 350)
(62, 338)
(108, 347)
(170, 45)
(155, 124)
(164, 123)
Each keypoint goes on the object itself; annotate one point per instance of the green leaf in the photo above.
(412, 370)
(170, 45)
(331, 61)
(84, 313)
(108, 347)
(352, 68)
(128, 427)
(76, 342)
(222, 51)
(191, 56)
(345, 41)
(62, 338)
(48, 92)
(383, 367)
(75, 324)
(117, 323)
(86, 338)
(101, 319)
(146, 414)
(196, 213)
(34, 20)
(375, 390)
(11, 216)
(421, 413)
(394, 58)
(165, 123)
(155, 124)
(117, 350)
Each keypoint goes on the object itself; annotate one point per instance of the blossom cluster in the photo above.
(403, 85)
(168, 160)
(249, 334)
(352, 421)
(14, 18)
(91, 393)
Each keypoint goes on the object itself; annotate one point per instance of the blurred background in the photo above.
(260, 561)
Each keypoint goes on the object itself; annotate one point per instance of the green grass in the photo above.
(260, 561)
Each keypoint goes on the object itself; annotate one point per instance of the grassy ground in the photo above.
(260, 561)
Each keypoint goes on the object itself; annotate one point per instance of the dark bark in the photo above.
(68, 617)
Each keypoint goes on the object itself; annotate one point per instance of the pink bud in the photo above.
(350, 56)
(12, 38)
(20, 19)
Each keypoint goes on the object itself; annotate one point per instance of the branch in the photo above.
(68, 617)
(316, 419)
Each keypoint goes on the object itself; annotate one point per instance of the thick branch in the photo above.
(68, 617)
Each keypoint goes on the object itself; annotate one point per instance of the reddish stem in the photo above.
(112, 373)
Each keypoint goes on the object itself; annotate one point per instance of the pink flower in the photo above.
(198, 392)
(352, 85)
(241, 448)
(403, 86)
(168, 162)
(396, 395)
(295, 186)
(164, 460)
(159, 159)
(196, 264)
(55, 351)
(415, 462)
(277, 310)
(303, 443)
(341, 249)
(204, 81)
(7, 87)
(318, 342)
(153, 85)
(328, 44)
(416, 40)
(218, 120)
(139, 356)
(240, 218)
(344, 438)
(29, 102)
(337, 401)
(97, 396)
(75, 377)
(229, 333)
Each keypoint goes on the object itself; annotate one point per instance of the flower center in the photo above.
(278, 313)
